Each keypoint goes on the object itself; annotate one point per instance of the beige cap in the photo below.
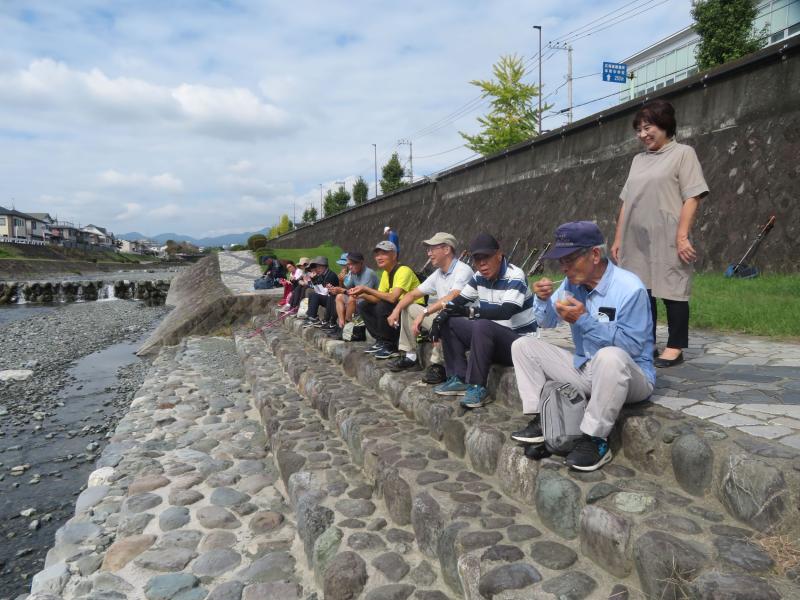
(303, 262)
(442, 238)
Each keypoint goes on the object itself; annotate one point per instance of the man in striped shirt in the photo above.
(494, 309)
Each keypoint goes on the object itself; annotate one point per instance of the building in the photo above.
(672, 59)
(21, 227)
(97, 236)
(134, 246)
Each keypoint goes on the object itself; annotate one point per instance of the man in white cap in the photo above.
(443, 285)
(392, 236)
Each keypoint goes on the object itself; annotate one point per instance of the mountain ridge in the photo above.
(219, 240)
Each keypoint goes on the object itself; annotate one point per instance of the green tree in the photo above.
(256, 241)
(335, 202)
(360, 190)
(284, 226)
(310, 214)
(392, 175)
(513, 118)
(726, 31)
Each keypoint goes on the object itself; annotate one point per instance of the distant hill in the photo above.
(220, 240)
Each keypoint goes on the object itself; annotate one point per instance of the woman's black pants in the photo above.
(677, 321)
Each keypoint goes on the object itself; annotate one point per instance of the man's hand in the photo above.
(417, 324)
(686, 251)
(456, 310)
(356, 291)
(543, 288)
(570, 309)
(394, 318)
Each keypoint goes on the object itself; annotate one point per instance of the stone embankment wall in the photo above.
(12, 292)
(17, 269)
(743, 119)
(203, 304)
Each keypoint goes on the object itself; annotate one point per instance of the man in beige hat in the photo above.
(444, 284)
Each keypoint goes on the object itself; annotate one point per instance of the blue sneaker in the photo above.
(476, 396)
(452, 387)
(590, 453)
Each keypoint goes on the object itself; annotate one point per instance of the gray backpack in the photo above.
(561, 415)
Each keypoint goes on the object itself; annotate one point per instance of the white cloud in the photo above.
(165, 211)
(163, 182)
(225, 112)
(242, 166)
(132, 209)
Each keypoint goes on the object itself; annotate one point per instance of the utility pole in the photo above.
(410, 158)
(539, 27)
(568, 48)
(375, 150)
(320, 200)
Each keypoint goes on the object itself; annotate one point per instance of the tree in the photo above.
(360, 190)
(256, 241)
(283, 226)
(513, 118)
(309, 215)
(726, 31)
(336, 202)
(392, 175)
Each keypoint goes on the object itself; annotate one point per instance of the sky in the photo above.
(218, 116)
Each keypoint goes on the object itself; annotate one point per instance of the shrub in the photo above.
(256, 241)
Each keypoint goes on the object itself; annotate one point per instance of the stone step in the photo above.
(616, 516)
(353, 546)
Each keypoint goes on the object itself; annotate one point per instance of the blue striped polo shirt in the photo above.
(511, 286)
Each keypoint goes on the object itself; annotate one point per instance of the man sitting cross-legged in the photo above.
(445, 283)
(608, 311)
(504, 312)
(396, 281)
(358, 274)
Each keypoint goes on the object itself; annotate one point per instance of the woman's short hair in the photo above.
(659, 113)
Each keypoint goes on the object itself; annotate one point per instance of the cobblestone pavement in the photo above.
(184, 503)
(238, 270)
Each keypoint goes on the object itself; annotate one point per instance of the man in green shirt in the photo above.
(395, 282)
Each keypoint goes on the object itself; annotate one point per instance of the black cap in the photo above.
(355, 257)
(483, 244)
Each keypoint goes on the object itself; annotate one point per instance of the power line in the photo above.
(442, 152)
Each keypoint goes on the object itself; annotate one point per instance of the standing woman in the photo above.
(659, 203)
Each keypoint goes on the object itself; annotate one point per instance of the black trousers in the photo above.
(375, 316)
(327, 301)
(487, 342)
(677, 321)
(298, 293)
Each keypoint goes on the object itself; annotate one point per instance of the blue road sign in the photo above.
(615, 72)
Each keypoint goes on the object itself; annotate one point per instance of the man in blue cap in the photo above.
(608, 311)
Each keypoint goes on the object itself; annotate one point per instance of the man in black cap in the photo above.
(494, 309)
(608, 311)
(396, 281)
(323, 280)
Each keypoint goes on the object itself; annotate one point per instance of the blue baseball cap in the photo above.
(574, 236)
(342, 259)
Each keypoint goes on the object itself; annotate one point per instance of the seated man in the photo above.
(396, 281)
(358, 274)
(445, 283)
(608, 311)
(323, 280)
(504, 312)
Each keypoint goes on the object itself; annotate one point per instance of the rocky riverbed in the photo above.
(66, 378)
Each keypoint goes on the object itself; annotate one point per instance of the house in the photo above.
(64, 233)
(98, 236)
(21, 227)
(134, 246)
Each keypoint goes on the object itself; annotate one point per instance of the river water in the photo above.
(58, 448)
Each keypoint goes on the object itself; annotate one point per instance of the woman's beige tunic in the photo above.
(658, 184)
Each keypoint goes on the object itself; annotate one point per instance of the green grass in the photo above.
(331, 252)
(6, 252)
(768, 305)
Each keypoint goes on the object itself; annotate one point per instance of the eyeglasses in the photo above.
(429, 249)
(569, 260)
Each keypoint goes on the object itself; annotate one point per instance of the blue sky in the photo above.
(219, 116)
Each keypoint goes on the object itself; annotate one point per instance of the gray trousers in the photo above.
(610, 380)
(408, 341)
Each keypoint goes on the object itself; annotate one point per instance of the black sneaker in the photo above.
(321, 324)
(335, 332)
(532, 434)
(404, 364)
(374, 348)
(537, 451)
(386, 352)
(590, 453)
(311, 322)
(434, 375)
(329, 327)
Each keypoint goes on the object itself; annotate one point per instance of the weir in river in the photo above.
(39, 292)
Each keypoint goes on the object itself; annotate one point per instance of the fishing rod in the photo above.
(538, 266)
(511, 254)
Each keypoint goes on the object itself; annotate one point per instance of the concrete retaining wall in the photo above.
(743, 119)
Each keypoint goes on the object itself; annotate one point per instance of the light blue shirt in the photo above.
(617, 314)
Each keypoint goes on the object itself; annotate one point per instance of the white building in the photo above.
(673, 58)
